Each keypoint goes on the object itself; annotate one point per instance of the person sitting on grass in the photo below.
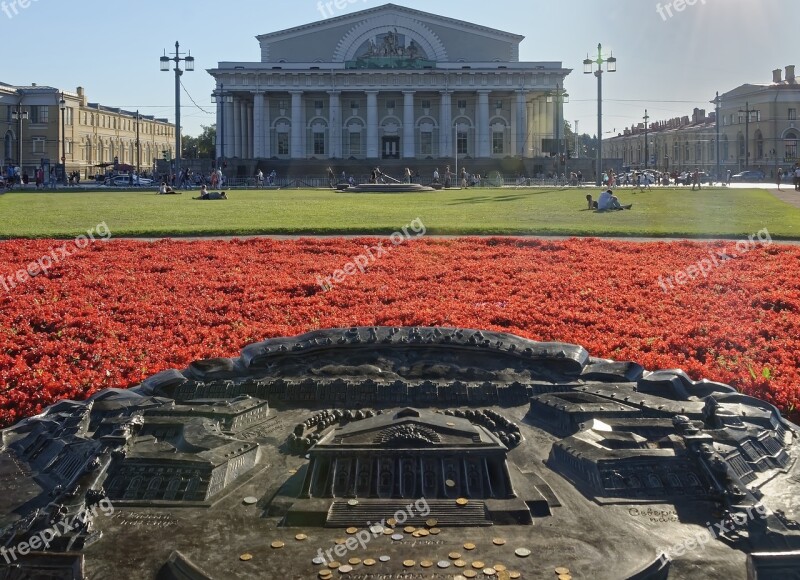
(591, 202)
(608, 201)
(167, 190)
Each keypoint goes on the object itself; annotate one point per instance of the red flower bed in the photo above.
(117, 312)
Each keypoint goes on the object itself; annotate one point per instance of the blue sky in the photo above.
(666, 64)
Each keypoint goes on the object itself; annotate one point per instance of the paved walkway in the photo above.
(787, 194)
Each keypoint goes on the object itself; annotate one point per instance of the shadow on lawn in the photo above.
(486, 198)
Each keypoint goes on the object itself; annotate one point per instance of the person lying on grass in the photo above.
(214, 195)
(608, 201)
(167, 190)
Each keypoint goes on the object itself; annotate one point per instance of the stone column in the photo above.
(220, 124)
(484, 139)
(373, 148)
(248, 131)
(237, 128)
(297, 145)
(230, 129)
(533, 130)
(258, 125)
(541, 122)
(335, 125)
(521, 126)
(266, 123)
(409, 125)
(446, 125)
(550, 118)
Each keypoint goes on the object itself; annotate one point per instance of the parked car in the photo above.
(125, 181)
(754, 175)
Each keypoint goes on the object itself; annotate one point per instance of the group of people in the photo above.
(606, 202)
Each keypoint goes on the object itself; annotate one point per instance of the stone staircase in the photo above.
(448, 514)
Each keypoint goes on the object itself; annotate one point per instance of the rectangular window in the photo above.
(318, 105)
(498, 142)
(499, 105)
(282, 104)
(792, 114)
(390, 104)
(40, 114)
(741, 117)
(426, 143)
(38, 144)
(68, 147)
(461, 142)
(283, 143)
(462, 103)
(426, 104)
(355, 143)
(354, 107)
(319, 143)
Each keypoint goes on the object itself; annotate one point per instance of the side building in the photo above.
(42, 125)
(758, 129)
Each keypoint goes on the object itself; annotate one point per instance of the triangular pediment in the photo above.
(342, 38)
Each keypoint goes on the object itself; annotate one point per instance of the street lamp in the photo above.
(717, 104)
(559, 96)
(611, 66)
(63, 106)
(221, 97)
(646, 142)
(189, 60)
(138, 145)
(747, 110)
(19, 114)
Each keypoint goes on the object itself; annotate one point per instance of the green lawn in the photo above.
(660, 212)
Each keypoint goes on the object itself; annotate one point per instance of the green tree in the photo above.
(203, 145)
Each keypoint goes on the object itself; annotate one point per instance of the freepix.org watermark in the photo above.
(716, 258)
(11, 8)
(41, 540)
(714, 531)
(364, 537)
(327, 9)
(373, 253)
(56, 255)
(666, 10)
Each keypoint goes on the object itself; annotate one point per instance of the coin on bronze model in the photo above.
(443, 564)
(345, 569)
(489, 571)
(277, 544)
(431, 523)
(246, 557)
(426, 563)
(354, 561)
(469, 546)
(300, 537)
(369, 562)
(499, 542)
(409, 563)
(351, 531)
(561, 570)
(462, 501)
(454, 555)
(522, 552)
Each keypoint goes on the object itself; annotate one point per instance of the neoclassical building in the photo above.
(388, 83)
(767, 140)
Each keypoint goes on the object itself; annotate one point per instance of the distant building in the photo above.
(93, 134)
(683, 144)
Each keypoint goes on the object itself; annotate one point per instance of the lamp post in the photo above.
(189, 60)
(611, 64)
(223, 98)
(717, 105)
(19, 114)
(138, 145)
(559, 96)
(747, 110)
(63, 106)
(577, 142)
(646, 142)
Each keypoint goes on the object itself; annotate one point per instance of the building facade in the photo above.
(388, 83)
(758, 129)
(85, 134)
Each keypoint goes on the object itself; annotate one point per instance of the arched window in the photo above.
(790, 144)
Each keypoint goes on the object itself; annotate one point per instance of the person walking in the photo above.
(797, 178)
(696, 179)
(778, 176)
